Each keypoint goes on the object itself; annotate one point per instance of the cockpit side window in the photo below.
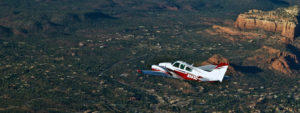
(188, 69)
(176, 64)
(182, 66)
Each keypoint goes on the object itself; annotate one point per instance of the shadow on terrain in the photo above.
(246, 69)
(296, 52)
(5, 31)
(97, 15)
(297, 31)
(280, 2)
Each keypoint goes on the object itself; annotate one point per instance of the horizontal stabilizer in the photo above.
(227, 77)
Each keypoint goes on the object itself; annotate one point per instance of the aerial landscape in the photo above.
(83, 55)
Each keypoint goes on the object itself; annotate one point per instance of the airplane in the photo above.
(183, 70)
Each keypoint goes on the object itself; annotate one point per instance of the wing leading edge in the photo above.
(154, 73)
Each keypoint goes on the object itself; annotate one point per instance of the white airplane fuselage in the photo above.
(180, 69)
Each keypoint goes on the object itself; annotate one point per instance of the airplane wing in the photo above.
(155, 73)
(208, 68)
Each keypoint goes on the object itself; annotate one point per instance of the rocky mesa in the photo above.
(282, 20)
(274, 59)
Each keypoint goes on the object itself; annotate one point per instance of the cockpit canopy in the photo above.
(182, 65)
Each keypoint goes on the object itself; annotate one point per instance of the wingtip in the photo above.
(139, 71)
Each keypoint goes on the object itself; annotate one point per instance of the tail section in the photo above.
(218, 73)
(221, 64)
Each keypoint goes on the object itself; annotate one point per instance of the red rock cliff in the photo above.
(283, 20)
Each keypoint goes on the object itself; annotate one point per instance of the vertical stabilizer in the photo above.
(218, 73)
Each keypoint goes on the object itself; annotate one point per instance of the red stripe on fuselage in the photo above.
(185, 75)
